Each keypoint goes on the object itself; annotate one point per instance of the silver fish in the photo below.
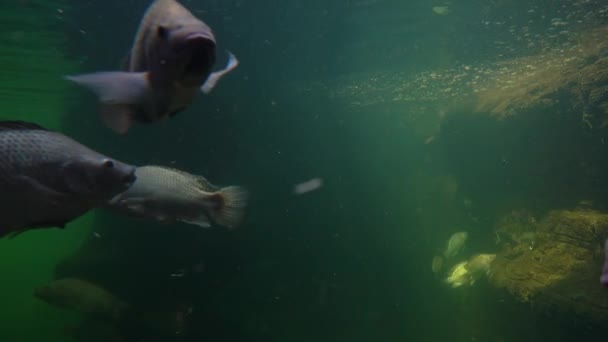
(82, 296)
(47, 179)
(172, 55)
(169, 195)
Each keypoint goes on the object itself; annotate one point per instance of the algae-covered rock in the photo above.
(560, 270)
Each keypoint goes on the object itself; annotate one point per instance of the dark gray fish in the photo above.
(168, 195)
(47, 179)
(172, 55)
(82, 296)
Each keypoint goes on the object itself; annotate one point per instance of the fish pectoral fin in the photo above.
(201, 221)
(117, 117)
(214, 77)
(115, 87)
(137, 205)
(117, 91)
(39, 189)
(37, 225)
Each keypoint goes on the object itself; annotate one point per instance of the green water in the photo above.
(371, 96)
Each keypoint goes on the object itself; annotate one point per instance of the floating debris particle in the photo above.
(308, 186)
(441, 10)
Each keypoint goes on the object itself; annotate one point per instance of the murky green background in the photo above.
(349, 91)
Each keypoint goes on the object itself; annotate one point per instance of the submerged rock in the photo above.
(560, 271)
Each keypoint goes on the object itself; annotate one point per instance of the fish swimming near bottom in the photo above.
(437, 264)
(466, 273)
(82, 296)
(455, 244)
(47, 179)
(168, 195)
(459, 275)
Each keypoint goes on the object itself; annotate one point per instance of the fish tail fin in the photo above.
(117, 92)
(230, 211)
(214, 77)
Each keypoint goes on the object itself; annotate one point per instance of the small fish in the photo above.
(169, 195)
(459, 275)
(466, 273)
(437, 264)
(82, 296)
(47, 179)
(455, 244)
(172, 55)
(604, 277)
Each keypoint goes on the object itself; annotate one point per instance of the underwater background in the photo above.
(422, 119)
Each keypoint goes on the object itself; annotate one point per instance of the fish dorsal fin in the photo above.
(202, 181)
(20, 125)
(168, 168)
(205, 184)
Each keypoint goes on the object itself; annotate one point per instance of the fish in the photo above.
(455, 244)
(48, 179)
(466, 273)
(169, 63)
(604, 276)
(169, 195)
(437, 264)
(84, 297)
(459, 275)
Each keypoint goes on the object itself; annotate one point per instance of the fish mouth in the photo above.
(130, 178)
(201, 48)
(199, 35)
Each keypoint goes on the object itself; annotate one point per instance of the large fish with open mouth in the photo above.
(48, 179)
(170, 61)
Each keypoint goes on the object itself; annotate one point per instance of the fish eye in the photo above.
(162, 32)
(108, 164)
